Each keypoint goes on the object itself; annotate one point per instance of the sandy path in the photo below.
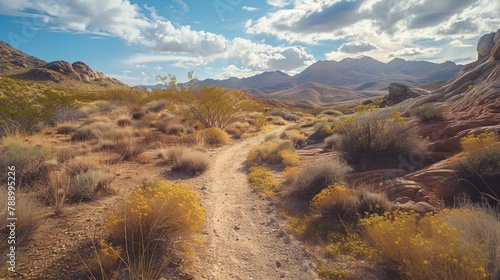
(242, 234)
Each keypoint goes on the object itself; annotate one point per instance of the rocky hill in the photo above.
(23, 66)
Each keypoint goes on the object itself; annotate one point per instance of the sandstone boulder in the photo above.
(485, 45)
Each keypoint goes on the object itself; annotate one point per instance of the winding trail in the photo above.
(242, 236)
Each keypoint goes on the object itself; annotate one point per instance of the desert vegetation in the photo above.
(347, 221)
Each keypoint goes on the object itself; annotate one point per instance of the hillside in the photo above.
(61, 74)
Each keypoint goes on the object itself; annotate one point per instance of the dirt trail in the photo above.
(242, 238)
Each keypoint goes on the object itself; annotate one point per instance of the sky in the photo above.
(137, 40)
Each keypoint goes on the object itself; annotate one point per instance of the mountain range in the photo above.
(324, 83)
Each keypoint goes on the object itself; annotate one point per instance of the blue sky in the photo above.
(136, 40)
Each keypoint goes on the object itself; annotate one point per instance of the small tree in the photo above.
(211, 105)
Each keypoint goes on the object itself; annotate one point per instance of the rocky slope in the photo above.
(14, 61)
(472, 102)
(20, 65)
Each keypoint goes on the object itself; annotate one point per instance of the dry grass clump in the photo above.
(123, 121)
(313, 178)
(29, 214)
(262, 179)
(342, 204)
(156, 106)
(294, 135)
(268, 152)
(92, 131)
(66, 128)
(429, 112)
(85, 186)
(30, 160)
(158, 220)
(191, 162)
(214, 136)
(426, 247)
(171, 154)
(373, 141)
(478, 170)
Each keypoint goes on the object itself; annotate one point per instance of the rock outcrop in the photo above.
(399, 92)
(13, 61)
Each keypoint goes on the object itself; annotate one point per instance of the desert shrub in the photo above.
(428, 112)
(234, 132)
(157, 220)
(215, 136)
(69, 114)
(175, 129)
(127, 148)
(156, 106)
(479, 224)
(369, 202)
(29, 160)
(289, 116)
(93, 130)
(192, 162)
(426, 247)
(294, 135)
(28, 112)
(268, 152)
(478, 171)
(288, 158)
(335, 201)
(331, 112)
(373, 141)
(331, 142)
(260, 122)
(352, 245)
(29, 214)
(123, 121)
(313, 178)
(104, 261)
(262, 179)
(66, 128)
(86, 185)
(137, 115)
(171, 154)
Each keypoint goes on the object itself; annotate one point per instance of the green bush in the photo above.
(21, 110)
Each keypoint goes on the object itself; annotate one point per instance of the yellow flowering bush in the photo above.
(262, 179)
(478, 170)
(335, 200)
(426, 247)
(155, 216)
(268, 152)
(104, 260)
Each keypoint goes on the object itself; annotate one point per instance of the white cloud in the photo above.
(390, 24)
(411, 52)
(249, 9)
(357, 47)
(278, 3)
